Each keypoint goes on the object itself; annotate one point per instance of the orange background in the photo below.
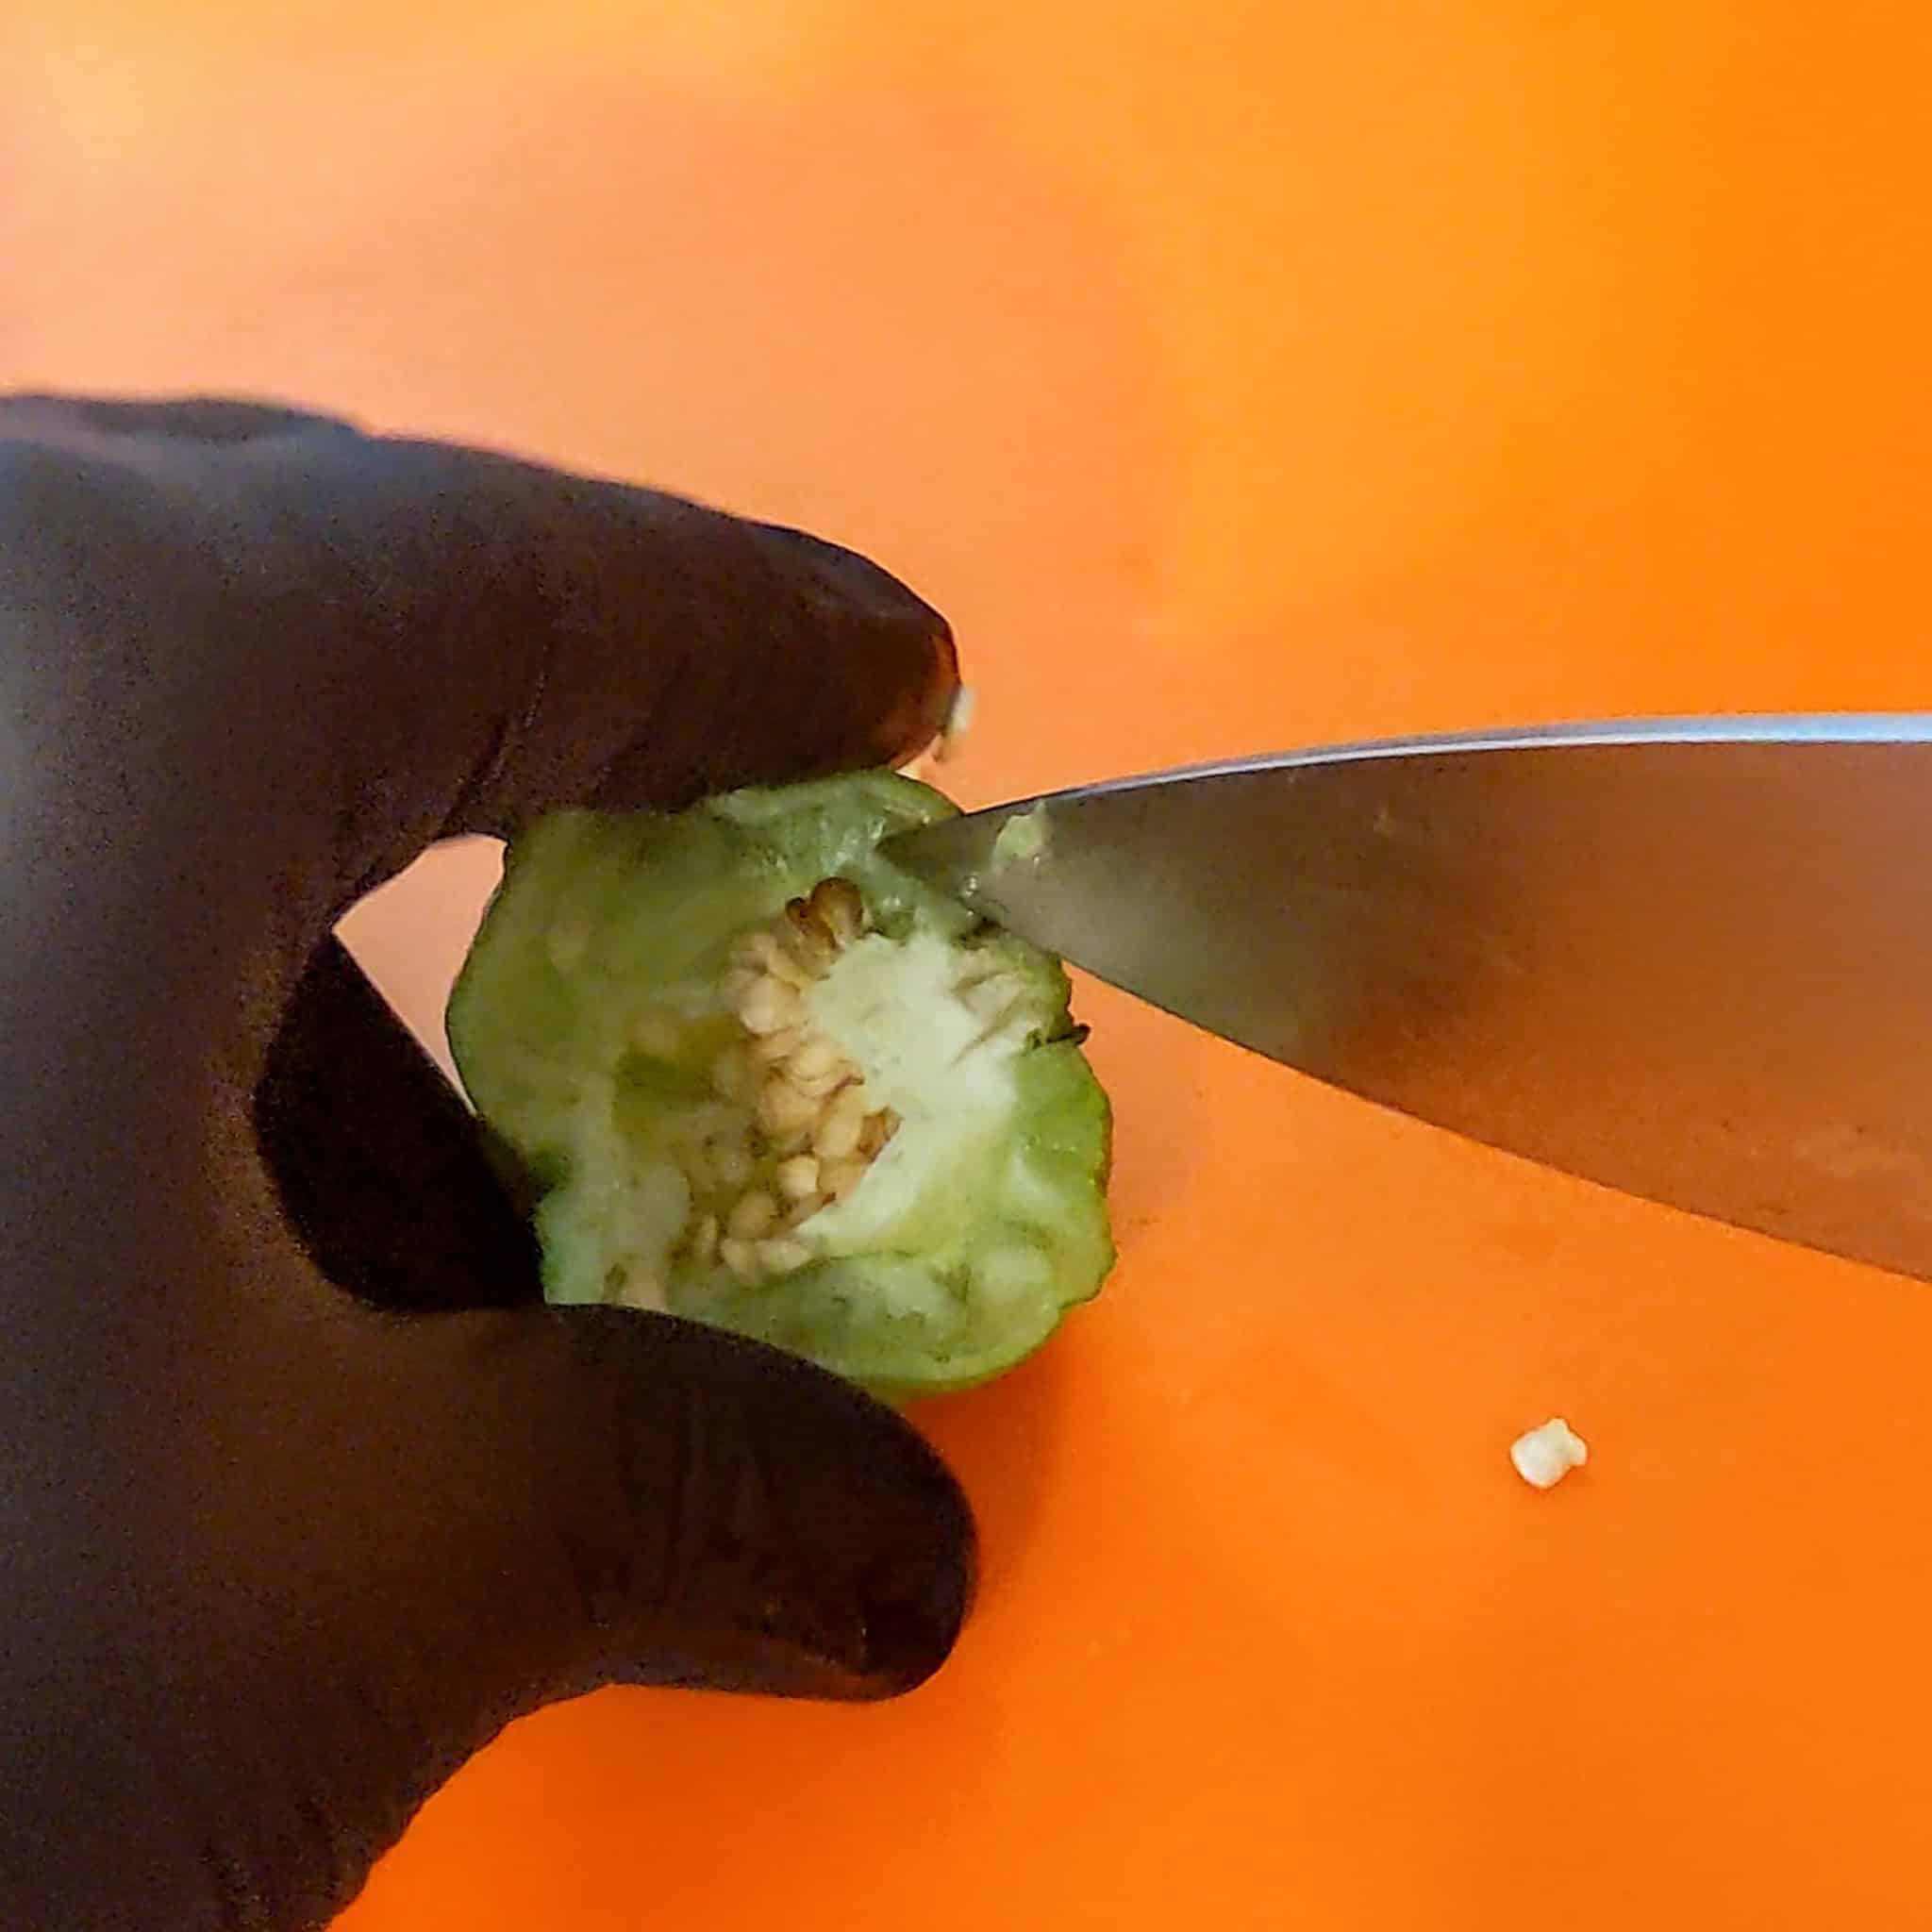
(1235, 375)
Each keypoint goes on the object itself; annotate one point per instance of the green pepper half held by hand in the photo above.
(751, 1072)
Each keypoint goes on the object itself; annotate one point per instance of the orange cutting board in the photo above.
(1235, 376)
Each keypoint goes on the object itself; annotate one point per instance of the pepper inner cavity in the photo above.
(810, 1131)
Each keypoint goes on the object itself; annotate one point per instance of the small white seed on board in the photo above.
(1545, 1454)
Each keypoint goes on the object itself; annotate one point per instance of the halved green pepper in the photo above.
(751, 1072)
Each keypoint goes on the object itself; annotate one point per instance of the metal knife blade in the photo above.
(1688, 959)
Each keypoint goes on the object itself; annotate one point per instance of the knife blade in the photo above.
(1688, 959)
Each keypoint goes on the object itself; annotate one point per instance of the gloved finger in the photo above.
(373, 1541)
(695, 1509)
(261, 676)
(379, 1166)
(740, 1518)
(821, 1549)
(531, 639)
(412, 638)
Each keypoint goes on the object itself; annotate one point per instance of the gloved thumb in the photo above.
(587, 1494)
(377, 1540)
(617, 1498)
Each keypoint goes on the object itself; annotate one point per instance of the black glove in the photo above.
(303, 1493)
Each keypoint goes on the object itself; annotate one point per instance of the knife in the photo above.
(1688, 959)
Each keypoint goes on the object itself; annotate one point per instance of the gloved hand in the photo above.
(303, 1493)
